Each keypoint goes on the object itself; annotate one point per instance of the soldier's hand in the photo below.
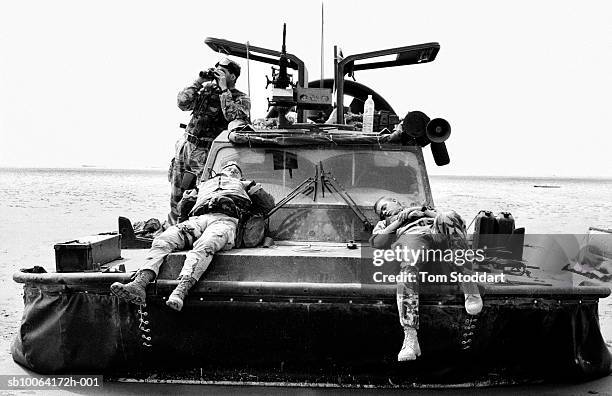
(403, 215)
(221, 79)
(207, 75)
(406, 213)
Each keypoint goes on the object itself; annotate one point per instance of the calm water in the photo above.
(572, 208)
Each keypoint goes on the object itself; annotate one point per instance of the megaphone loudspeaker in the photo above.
(438, 130)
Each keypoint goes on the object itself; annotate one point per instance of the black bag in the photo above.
(262, 200)
(251, 231)
(185, 205)
(253, 224)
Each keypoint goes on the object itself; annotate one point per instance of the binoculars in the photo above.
(208, 74)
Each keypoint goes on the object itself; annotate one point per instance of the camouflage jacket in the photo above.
(211, 109)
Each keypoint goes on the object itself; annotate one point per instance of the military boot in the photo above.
(410, 349)
(135, 291)
(473, 303)
(175, 301)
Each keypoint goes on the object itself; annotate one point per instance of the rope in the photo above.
(469, 225)
(143, 326)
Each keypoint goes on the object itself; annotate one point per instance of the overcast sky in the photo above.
(526, 85)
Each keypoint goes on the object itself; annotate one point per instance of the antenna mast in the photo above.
(322, 47)
(248, 69)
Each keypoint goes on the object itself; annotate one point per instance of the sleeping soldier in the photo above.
(211, 227)
(416, 228)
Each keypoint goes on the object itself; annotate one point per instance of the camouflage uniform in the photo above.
(448, 224)
(205, 233)
(212, 111)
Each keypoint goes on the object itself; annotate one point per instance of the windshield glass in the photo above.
(365, 174)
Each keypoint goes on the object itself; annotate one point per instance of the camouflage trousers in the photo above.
(187, 157)
(205, 235)
(452, 227)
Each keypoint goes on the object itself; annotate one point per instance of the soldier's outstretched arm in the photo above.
(235, 109)
(187, 97)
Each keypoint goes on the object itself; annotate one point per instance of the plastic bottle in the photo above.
(368, 115)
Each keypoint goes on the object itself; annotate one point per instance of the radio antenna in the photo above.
(248, 70)
(284, 48)
(322, 47)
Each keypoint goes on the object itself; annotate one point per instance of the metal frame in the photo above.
(66, 280)
(409, 55)
(259, 54)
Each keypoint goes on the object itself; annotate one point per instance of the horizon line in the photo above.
(163, 169)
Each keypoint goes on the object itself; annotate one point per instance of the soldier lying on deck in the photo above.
(418, 228)
(222, 201)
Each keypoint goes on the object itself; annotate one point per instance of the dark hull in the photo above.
(307, 333)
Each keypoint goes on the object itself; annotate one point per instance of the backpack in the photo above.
(251, 230)
(253, 224)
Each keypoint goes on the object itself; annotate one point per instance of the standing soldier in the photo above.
(214, 106)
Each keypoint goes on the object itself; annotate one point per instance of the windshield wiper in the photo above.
(328, 180)
(305, 187)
